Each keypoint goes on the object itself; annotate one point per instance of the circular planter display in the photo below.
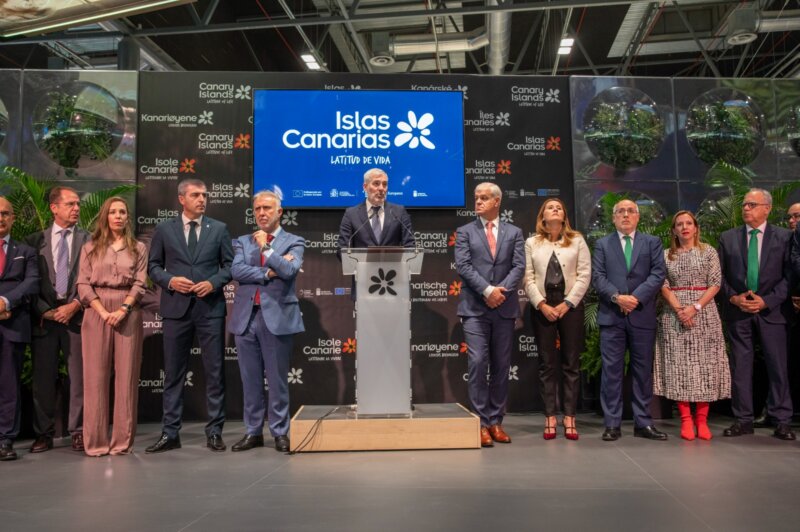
(793, 128)
(3, 122)
(623, 128)
(725, 125)
(78, 125)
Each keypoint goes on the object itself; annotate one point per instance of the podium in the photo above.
(383, 327)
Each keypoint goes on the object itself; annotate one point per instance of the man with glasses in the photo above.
(190, 259)
(57, 318)
(755, 303)
(19, 281)
(628, 270)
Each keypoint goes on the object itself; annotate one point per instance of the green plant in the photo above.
(624, 136)
(719, 131)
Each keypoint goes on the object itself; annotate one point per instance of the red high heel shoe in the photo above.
(549, 430)
(570, 432)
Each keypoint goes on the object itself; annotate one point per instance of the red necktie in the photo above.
(490, 238)
(2, 257)
(257, 299)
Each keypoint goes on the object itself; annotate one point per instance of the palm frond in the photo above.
(92, 202)
(28, 197)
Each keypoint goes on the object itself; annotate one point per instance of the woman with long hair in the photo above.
(690, 364)
(557, 274)
(111, 281)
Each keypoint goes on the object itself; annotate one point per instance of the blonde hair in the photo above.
(674, 243)
(567, 232)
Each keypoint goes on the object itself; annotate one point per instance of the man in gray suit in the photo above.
(190, 259)
(490, 258)
(265, 318)
(57, 317)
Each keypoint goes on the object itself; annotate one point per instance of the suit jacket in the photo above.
(169, 257)
(42, 242)
(280, 308)
(796, 253)
(478, 269)
(774, 272)
(355, 231)
(576, 265)
(610, 276)
(19, 283)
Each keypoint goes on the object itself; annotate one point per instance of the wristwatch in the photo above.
(698, 307)
(265, 247)
(614, 298)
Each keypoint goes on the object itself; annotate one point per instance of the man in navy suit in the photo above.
(490, 259)
(190, 259)
(265, 318)
(19, 281)
(378, 222)
(754, 296)
(57, 318)
(628, 271)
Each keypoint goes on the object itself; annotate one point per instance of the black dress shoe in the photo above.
(42, 444)
(164, 444)
(215, 443)
(738, 429)
(7, 453)
(612, 434)
(282, 444)
(784, 432)
(248, 442)
(650, 432)
(762, 421)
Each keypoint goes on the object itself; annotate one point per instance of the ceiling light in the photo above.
(313, 65)
(308, 58)
(567, 42)
(564, 50)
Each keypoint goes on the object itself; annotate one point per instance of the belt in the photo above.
(698, 288)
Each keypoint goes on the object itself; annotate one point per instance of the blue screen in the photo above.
(313, 147)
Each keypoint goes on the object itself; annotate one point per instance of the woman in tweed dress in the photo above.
(690, 364)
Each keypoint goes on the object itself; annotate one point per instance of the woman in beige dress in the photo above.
(111, 281)
(558, 269)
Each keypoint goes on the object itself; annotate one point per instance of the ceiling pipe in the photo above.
(406, 45)
(499, 29)
(745, 23)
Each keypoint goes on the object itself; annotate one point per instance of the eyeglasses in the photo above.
(631, 211)
(6, 214)
(795, 216)
(751, 204)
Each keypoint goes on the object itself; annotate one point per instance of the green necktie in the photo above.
(752, 261)
(628, 251)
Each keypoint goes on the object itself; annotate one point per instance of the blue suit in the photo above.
(19, 283)
(770, 325)
(636, 331)
(355, 231)
(264, 333)
(489, 333)
(186, 314)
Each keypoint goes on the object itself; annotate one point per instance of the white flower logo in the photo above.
(512, 373)
(502, 120)
(464, 89)
(412, 137)
(188, 382)
(206, 117)
(289, 218)
(296, 376)
(242, 93)
(507, 216)
(242, 191)
(552, 96)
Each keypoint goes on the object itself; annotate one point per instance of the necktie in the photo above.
(490, 238)
(192, 237)
(62, 264)
(376, 223)
(2, 257)
(628, 251)
(257, 299)
(752, 261)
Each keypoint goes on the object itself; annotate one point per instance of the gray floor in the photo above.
(749, 483)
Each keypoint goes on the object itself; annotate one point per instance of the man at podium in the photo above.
(376, 222)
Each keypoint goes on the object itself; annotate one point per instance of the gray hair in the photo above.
(189, 182)
(261, 194)
(766, 193)
(614, 209)
(372, 173)
(493, 189)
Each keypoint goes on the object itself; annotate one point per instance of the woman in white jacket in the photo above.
(557, 275)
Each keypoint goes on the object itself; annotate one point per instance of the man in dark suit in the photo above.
(57, 317)
(19, 281)
(190, 259)
(628, 270)
(490, 259)
(378, 222)
(265, 318)
(754, 296)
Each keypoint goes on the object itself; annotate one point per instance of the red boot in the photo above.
(701, 420)
(687, 427)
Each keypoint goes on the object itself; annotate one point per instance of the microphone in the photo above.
(360, 227)
(404, 226)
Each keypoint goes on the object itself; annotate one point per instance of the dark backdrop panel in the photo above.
(517, 134)
(9, 117)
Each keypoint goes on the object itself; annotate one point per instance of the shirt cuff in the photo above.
(8, 305)
(488, 291)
